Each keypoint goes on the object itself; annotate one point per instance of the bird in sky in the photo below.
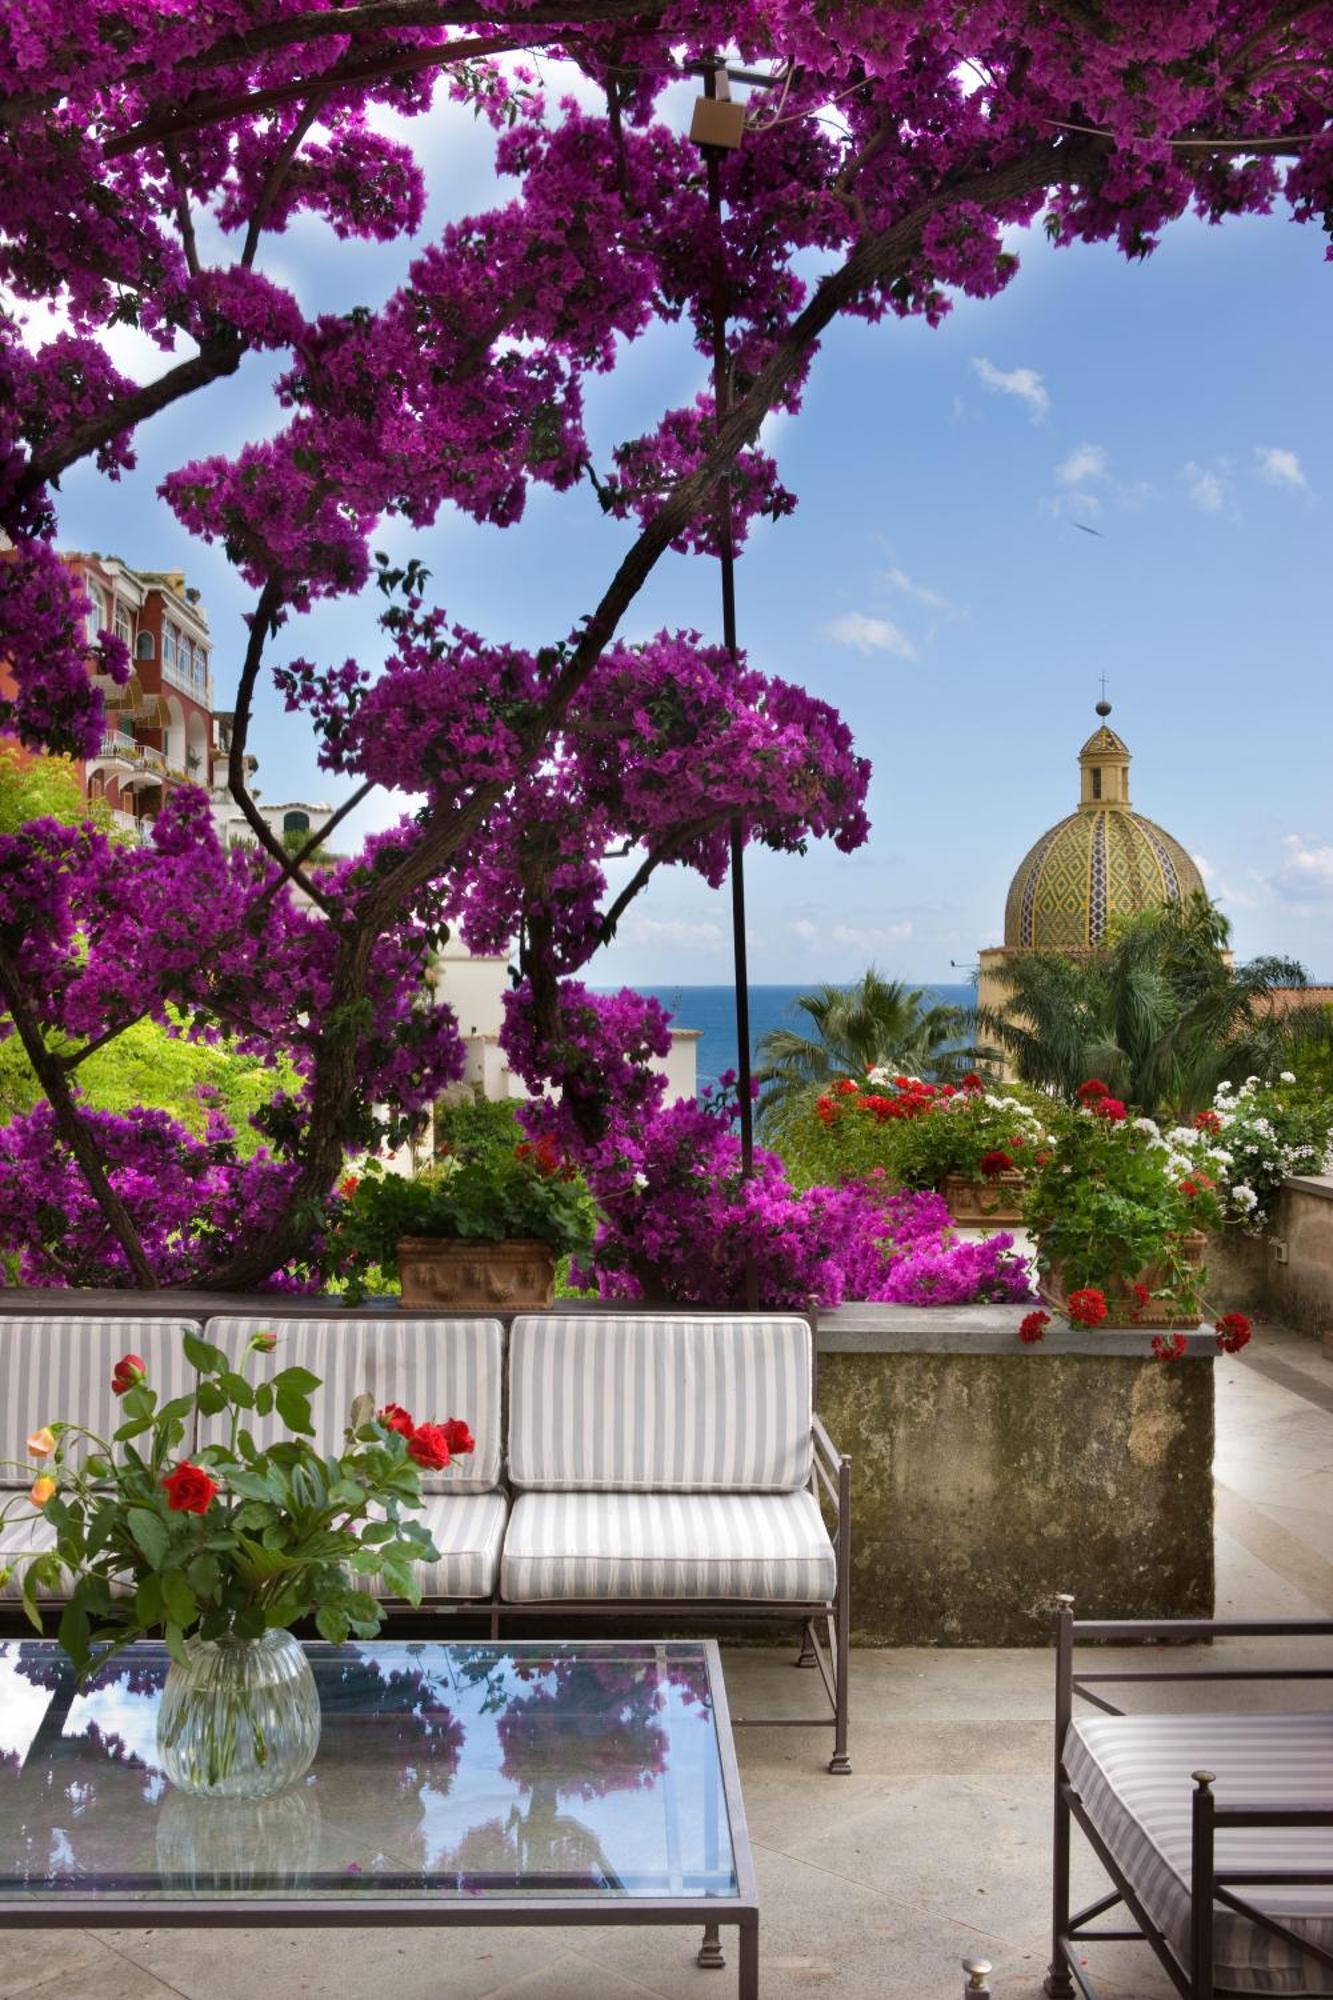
(1084, 529)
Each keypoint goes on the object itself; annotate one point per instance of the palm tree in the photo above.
(877, 1022)
(1160, 1014)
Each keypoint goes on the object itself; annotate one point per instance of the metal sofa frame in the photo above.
(1208, 1883)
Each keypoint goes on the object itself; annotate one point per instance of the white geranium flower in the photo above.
(1287, 1076)
(1244, 1197)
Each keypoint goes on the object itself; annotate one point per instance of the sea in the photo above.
(712, 1010)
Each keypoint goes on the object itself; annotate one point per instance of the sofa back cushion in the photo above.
(661, 1402)
(59, 1369)
(436, 1368)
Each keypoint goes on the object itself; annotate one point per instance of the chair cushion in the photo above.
(21, 1537)
(435, 1368)
(1133, 1774)
(660, 1403)
(59, 1369)
(468, 1529)
(770, 1547)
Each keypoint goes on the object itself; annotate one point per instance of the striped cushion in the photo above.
(60, 1369)
(20, 1537)
(763, 1546)
(661, 1403)
(467, 1529)
(435, 1368)
(1133, 1775)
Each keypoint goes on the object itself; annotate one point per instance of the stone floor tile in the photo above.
(108, 1977)
(33, 1961)
(415, 1964)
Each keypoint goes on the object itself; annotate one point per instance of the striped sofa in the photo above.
(657, 1466)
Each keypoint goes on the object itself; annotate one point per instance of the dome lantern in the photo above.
(1104, 767)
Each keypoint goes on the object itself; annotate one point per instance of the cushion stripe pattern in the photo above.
(1133, 1775)
(60, 1369)
(435, 1368)
(660, 1403)
(467, 1529)
(762, 1547)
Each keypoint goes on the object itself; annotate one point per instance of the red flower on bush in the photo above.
(1168, 1346)
(348, 1185)
(947, 1090)
(1233, 1332)
(845, 1087)
(395, 1418)
(189, 1489)
(1033, 1326)
(1094, 1088)
(1111, 1109)
(461, 1440)
(825, 1110)
(128, 1371)
(972, 1081)
(1189, 1189)
(1086, 1307)
(994, 1164)
(1207, 1121)
(429, 1446)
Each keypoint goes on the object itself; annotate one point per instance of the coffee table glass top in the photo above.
(585, 1771)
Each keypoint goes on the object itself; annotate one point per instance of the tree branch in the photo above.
(50, 1073)
(277, 174)
(184, 220)
(361, 20)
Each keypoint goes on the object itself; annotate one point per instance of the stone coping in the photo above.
(847, 1329)
(1319, 1185)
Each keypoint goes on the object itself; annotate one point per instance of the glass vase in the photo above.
(241, 1719)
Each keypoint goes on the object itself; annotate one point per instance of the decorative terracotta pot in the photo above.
(1122, 1308)
(970, 1202)
(460, 1271)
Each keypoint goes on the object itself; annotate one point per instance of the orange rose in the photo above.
(41, 1443)
(42, 1490)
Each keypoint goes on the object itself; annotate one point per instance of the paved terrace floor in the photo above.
(872, 1887)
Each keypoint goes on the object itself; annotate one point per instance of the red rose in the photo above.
(429, 1446)
(189, 1489)
(263, 1343)
(395, 1418)
(461, 1440)
(127, 1372)
(1033, 1327)
(1086, 1307)
(1233, 1332)
(1169, 1346)
(1089, 1092)
(994, 1164)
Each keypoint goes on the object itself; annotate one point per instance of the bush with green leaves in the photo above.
(157, 1531)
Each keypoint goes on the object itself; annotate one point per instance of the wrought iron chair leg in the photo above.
(806, 1656)
(1057, 1984)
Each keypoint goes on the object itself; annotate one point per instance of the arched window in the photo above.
(97, 610)
(1096, 781)
(168, 645)
(124, 624)
(145, 647)
(296, 822)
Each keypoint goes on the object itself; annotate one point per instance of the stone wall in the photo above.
(988, 1476)
(1287, 1275)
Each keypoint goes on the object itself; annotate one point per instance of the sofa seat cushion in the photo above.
(23, 1535)
(768, 1547)
(1133, 1774)
(660, 1402)
(58, 1367)
(468, 1530)
(436, 1368)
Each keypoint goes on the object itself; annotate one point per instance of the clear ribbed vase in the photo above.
(241, 1720)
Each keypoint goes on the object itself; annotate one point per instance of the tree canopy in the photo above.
(149, 154)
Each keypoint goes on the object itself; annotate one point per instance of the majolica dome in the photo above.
(1103, 861)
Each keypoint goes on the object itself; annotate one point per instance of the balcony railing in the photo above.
(118, 748)
(199, 687)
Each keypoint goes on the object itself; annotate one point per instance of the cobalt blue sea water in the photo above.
(712, 1010)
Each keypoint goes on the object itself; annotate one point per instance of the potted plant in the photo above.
(1118, 1212)
(974, 1144)
(222, 1547)
(480, 1228)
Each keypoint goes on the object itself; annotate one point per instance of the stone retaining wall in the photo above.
(1287, 1275)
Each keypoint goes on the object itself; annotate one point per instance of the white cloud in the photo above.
(1305, 873)
(1281, 467)
(870, 635)
(676, 931)
(803, 929)
(1207, 489)
(1086, 461)
(872, 939)
(1221, 889)
(1024, 382)
(898, 579)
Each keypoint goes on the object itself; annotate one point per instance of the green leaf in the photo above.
(294, 1409)
(203, 1357)
(138, 1401)
(239, 1390)
(150, 1532)
(73, 1632)
(149, 1603)
(252, 1484)
(332, 1624)
(175, 1639)
(177, 1410)
(246, 1445)
(212, 1399)
(299, 1379)
(203, 1574)
(264, 1399)
(182, 1606)
(133, 1429)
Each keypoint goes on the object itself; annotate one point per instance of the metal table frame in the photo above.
(67, 1911)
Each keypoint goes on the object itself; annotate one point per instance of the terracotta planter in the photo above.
(998, 1201)
(1122, 1309)
(458, 1271)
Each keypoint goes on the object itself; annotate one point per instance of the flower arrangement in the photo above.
(922, 1133)
(1264, 1131)
(163, 1529)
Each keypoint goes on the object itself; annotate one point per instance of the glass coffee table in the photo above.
(455, 1785)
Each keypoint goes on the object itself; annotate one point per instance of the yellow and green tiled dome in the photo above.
(1104, 861)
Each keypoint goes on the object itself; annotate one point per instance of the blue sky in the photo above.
(932, 583)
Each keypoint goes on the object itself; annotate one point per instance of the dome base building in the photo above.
(1103, 861)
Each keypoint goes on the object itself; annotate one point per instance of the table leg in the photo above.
(711, 1957)
(749, 1974)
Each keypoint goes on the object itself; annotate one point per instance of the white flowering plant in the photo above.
(1264, 1132)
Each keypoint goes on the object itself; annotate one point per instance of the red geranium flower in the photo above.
(972, 1081)
(1189, 1189)
(189, 1489)
(1233, 1332)
(1086, 1307)
(1111, 1109)
(395, 1418)
(1169, 1346)
(348, 1185)
(128, 1371)
(1207, 1121)
(1033, 1326)
(429, 1446)
(1089, 1092)
(845, 1087)
(994, 1164)
(947, 1090)
(461, 1440)
(825, 1110)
